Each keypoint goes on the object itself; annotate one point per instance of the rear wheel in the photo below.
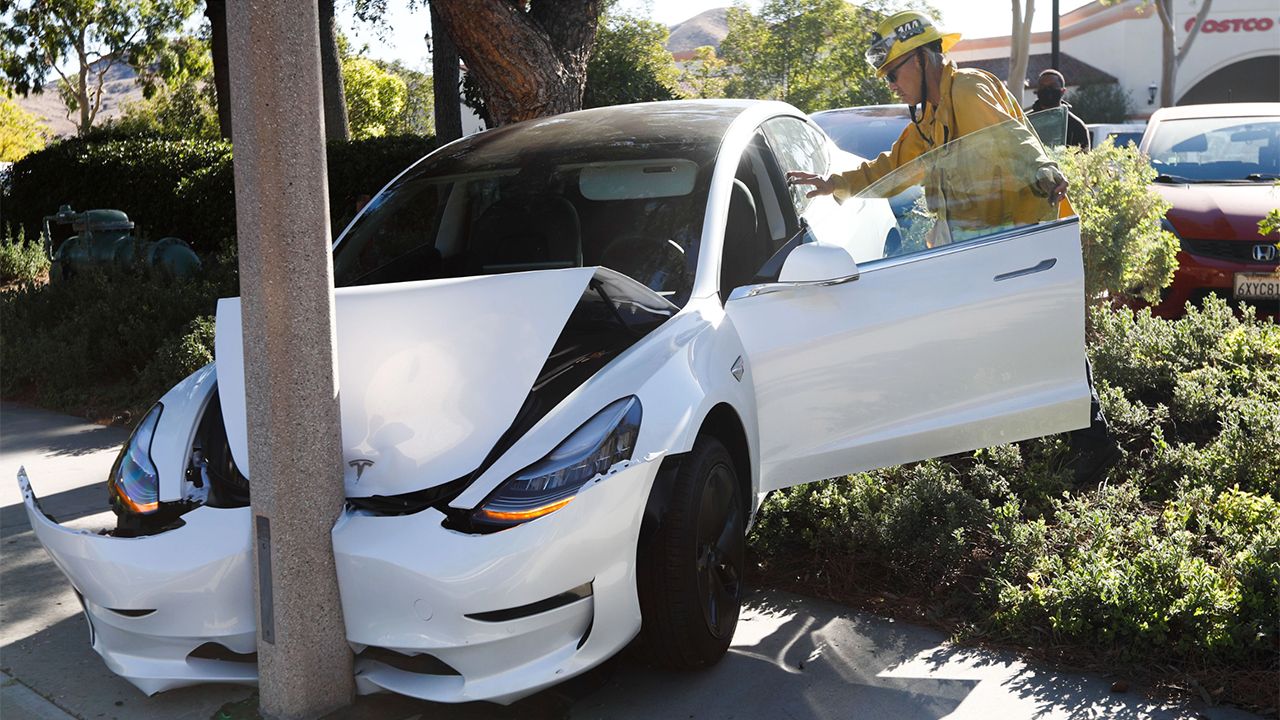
(690, 576)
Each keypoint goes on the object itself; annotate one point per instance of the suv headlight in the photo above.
(134, 484)
(551, 483)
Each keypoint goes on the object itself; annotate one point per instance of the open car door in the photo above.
(955, 322)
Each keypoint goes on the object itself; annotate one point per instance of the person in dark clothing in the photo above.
(1050, 87)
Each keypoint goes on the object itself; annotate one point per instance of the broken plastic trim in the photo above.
(567, 597)
(421, 664)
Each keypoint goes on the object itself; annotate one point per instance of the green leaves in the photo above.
(805, 52)
(376, 98)
(629, 63)
(1126, 252)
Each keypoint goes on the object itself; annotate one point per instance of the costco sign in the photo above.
(1261, 24)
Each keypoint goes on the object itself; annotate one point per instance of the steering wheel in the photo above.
(655, 262)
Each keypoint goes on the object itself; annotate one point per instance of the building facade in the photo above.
(1234, 58)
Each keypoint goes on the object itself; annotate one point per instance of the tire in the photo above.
(690, 575)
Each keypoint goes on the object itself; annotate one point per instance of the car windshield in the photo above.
(1216, 149)
(865, 132)
(504, 206)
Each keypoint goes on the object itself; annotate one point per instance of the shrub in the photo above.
(21, 260)
(83, 345)
(1101, 103)
(1126, 251)
(1142, 581)
(138, 176)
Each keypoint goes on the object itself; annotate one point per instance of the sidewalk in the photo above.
(792, 657)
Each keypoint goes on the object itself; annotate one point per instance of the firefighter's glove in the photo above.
(1050, 183)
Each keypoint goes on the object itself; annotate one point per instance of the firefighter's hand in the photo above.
(821, 185)
(1051, 183)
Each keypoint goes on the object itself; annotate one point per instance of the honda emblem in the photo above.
(1264, 253)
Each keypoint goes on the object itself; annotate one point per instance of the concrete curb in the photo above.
(19, 702)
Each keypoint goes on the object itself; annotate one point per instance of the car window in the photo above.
(798, 146)
(1217, 149)
(761, 218)
(1050, 125)
(972, 187)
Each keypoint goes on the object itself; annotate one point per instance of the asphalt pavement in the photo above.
(793, 658)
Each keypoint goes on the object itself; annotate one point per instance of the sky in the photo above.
(402, 39)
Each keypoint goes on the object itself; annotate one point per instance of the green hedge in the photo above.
(184, 188)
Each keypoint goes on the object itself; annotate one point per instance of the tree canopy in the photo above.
(805, 52)
(630, 63)
(21, 132)
(375, 98)
(88, 37)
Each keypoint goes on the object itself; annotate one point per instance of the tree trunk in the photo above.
(527, 64)
(82, 89)
(335, 98)
(216, 11)
(1020, 47)
(445, 80)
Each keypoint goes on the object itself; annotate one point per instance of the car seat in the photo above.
(740, 259)
(526, 233)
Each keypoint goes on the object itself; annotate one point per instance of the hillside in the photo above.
(707, 28)
(119, 87)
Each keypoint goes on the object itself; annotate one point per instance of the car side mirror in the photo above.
(808, 265)
(814, 263)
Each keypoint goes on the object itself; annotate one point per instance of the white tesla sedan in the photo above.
(574, 355)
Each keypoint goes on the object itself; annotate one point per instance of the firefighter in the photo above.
(1012, 182)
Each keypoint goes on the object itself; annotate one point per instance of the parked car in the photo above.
(865, 131)
(1218, 166)
(1129, 133)
(574, 355)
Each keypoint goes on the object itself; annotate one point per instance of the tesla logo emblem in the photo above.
(1264, 253)
(360, 465)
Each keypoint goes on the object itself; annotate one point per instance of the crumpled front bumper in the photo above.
(154, 603)
(431, 612)
(477, 603)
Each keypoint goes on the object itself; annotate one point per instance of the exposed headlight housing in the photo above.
(134, 483)
(551, 483)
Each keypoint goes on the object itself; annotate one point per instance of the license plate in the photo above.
(1257, 286)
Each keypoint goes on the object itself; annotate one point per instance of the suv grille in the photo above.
(1233, 250)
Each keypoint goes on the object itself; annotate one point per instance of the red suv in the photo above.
(1218, 166)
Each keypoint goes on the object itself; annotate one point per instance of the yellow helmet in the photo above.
(901, 33)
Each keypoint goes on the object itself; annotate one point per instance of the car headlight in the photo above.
(134, 484)
(551, 483)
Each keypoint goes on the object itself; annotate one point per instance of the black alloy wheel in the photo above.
(690, 575)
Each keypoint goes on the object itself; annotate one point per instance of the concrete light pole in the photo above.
(286, 285)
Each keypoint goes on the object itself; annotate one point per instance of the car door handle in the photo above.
(1038, 267)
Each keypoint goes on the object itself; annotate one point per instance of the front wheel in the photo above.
(690, 576)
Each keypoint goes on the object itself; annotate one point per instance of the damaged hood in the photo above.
(431, 373)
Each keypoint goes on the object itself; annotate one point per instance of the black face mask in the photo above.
(1049, 95)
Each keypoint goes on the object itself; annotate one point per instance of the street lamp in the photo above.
(1151, 93)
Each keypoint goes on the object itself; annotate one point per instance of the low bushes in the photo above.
(105, 344)
(1175, 558)
(21, 260)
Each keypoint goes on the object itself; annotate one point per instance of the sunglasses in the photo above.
(892, 75)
